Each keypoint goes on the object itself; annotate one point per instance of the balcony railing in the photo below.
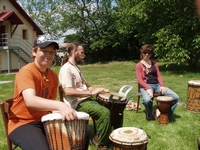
(16, 44)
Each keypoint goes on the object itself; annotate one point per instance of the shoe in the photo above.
(101, 148)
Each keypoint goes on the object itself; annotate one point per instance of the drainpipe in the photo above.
(8, 58)
(19, 62)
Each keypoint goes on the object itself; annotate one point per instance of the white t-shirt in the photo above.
(71, 76)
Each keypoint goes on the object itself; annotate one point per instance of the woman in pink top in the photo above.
(150, 81)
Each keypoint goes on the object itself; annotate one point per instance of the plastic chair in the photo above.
(124, 90)
(5, 109)
(139, 94)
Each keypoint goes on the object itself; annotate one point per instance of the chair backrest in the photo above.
(5, 110)
(60, 89)
(124, 90)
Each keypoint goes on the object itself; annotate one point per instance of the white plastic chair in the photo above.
(124, 90)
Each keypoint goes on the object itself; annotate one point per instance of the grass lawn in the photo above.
(182, 131)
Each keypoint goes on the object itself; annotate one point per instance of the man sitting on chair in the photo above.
(78, 94)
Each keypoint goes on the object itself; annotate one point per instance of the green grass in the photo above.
(182, 131)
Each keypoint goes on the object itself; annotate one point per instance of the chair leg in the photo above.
(138, 103)
(94, 124)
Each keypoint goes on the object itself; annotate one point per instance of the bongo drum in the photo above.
(116, 104)
(164, 104)
(66, 135)
(193, 96)
(129, 138)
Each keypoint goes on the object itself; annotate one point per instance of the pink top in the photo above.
(140, 74)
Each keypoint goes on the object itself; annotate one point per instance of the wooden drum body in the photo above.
(66, 135)
(193, 96)
(129, 138)
(116, 104)
(164, 104)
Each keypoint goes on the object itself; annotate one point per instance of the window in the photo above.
(25, 34)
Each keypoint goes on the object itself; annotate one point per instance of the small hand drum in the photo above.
(129, 138)
(116, 104)
(164, 104)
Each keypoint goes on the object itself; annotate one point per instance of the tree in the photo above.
(47, 14)
(93, 20)
(172, 26)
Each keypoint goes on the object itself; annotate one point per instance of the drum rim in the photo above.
(107, 100)
(167, 98)
(57, 116)
(136, 142)
(192, 82)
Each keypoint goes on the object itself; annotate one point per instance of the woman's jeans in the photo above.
(147, 101)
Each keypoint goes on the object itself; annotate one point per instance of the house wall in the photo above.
(6, 5)
(31, 33)
(15, 64)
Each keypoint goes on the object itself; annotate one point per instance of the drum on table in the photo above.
(164, 104)
(129, 138)
(193, 96)
(66, 135)
(116, 104)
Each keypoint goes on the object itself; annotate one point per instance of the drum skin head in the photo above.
(194, 82)
(129, 136)
(115, 96)
(164, 98)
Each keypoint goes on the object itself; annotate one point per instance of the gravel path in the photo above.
(2, 82)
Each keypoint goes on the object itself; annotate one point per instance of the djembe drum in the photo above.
(193, 96)
(66, 135)
(129, 138)
(164, 104)
(116, 104)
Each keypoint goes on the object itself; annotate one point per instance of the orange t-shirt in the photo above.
(45, 86)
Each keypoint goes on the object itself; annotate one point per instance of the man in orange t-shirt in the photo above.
(34, 96)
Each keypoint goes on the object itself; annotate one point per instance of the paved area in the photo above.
(2, 82)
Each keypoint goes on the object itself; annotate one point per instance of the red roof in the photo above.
(11, 16)
(19, 8)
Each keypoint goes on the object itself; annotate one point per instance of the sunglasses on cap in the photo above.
(147, 52)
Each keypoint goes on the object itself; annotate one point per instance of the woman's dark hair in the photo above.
(70, 47)
(146, 47)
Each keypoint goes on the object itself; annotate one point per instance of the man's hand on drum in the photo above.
(99, 90)
(163, 90)
(67, 113)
